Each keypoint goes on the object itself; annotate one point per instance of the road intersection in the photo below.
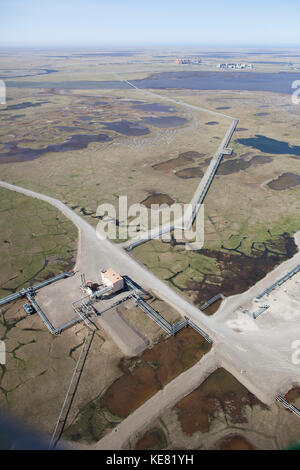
(257, 352)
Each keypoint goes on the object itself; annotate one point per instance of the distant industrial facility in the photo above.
(235, 66)
(188, 61)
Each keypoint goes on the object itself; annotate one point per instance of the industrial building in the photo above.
(188, 61)
(235, 66)
(112, 279)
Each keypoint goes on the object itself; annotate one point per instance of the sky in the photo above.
(142, 23)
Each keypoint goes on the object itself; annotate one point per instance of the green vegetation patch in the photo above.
(36, 241)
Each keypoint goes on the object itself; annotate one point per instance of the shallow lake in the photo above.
(251, 81)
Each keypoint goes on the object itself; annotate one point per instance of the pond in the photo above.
(285, 181)
(269, 145)
(75, 142)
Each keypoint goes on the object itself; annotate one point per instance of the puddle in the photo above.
(211, 123)
(285, 181)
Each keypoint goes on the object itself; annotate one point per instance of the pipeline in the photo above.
(287, 405)
(170, 329)
(279, 282)
(212, 300)
(23, 292)
(41, 313)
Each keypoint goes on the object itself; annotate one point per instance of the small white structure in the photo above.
(235, 66)
(112, 279)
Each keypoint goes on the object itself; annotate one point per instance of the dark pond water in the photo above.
(270, 62)
(107, 54)
(164, 122)
(220, 55)
(285, 181)
(69, 128)
(261, 114)
(57, 56)
(72, 85)
(99, 103)
(17, 116)
(156, 107)
(250, 81)
(268, 145)
(25, 104)
(75, 142)
(127, 128)
(86, 118)
(6, 73)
